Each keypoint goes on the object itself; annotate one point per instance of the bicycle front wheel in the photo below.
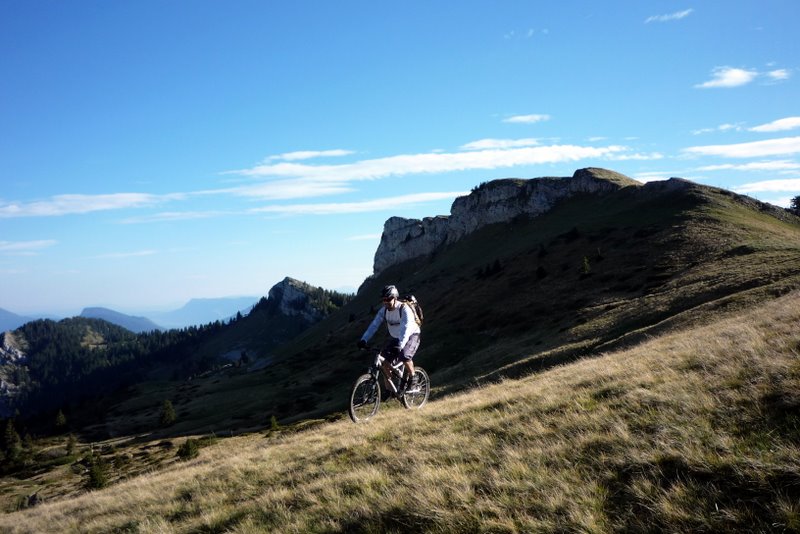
(416, 398)
(364, 399)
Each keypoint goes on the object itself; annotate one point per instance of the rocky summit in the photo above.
(493, 202)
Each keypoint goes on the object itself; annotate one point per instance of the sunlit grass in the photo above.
(695, 430)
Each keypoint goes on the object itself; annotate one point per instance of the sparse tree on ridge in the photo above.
(794, 205)
(168, 415)
(61, 420)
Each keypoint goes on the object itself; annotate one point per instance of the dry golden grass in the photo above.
(692, 431)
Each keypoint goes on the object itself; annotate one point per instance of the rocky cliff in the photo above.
(492, 202)
(293, 298)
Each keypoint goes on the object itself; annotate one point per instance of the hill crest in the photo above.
(504, 200)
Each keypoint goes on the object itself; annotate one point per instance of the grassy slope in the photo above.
(694, 430)
(658, 258)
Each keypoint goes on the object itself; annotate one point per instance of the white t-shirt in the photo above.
(400, 322)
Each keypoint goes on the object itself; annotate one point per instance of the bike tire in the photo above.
(365, 398)
(418, 399)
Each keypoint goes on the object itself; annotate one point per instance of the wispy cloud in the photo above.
(777, 165)
(310, 154)
(721, 128)
(284, 180)
(772, 147)
(527, 119)
(525, 34)
(769, 186)
(381, 204)
(789, 123)
(124, 255)
(637, 156)
(25, 248)
(489, 144)
(174, 216)
(79, 204)
(728, 77)
(401, 165)
(670, 17)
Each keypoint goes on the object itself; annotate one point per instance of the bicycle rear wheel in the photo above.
(364, 399)
(417, 398)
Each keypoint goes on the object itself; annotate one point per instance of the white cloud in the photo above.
(778, 74)
(789, 123)
(79, 204)
(310, 154)
(652, 176)
(639, 157)
(728, 77)
(772, 147)
(25, 248)
(381, 204)
(777, 165)
(783, 202)
(488, 144)
(527, 119)
(670, 17)
(769, 186)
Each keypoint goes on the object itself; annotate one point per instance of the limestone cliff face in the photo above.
(492, 202)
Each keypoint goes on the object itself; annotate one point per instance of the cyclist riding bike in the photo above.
(404, 336)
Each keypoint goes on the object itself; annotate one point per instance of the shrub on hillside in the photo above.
(190, 449)
(97, 475)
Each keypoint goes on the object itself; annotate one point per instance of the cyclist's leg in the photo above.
(388, 352)
(407, 354)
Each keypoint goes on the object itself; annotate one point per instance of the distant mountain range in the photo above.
(11, 321)
(129, 322)
(204, 311)
(194, 313)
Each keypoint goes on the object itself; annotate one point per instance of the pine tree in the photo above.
(794, 205)
(12, 443)
(61, 420)
(97, 476)
(586, 268)
(168, 415)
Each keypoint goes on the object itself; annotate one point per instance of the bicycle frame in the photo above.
(397, 371)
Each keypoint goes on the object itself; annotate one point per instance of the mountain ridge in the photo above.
(133, 323)
(502, 200)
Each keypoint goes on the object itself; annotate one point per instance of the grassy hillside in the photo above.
(595, 273)
(692, 430)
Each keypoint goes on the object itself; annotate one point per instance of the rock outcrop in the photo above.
(292, 298)
(12, 357)
(492, 202)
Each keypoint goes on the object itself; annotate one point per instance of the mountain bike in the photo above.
(365, 398)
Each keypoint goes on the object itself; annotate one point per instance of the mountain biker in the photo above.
(404, 335)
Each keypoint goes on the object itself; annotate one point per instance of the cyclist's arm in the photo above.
(373, 326)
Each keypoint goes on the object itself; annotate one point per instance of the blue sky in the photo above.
(153, 152)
